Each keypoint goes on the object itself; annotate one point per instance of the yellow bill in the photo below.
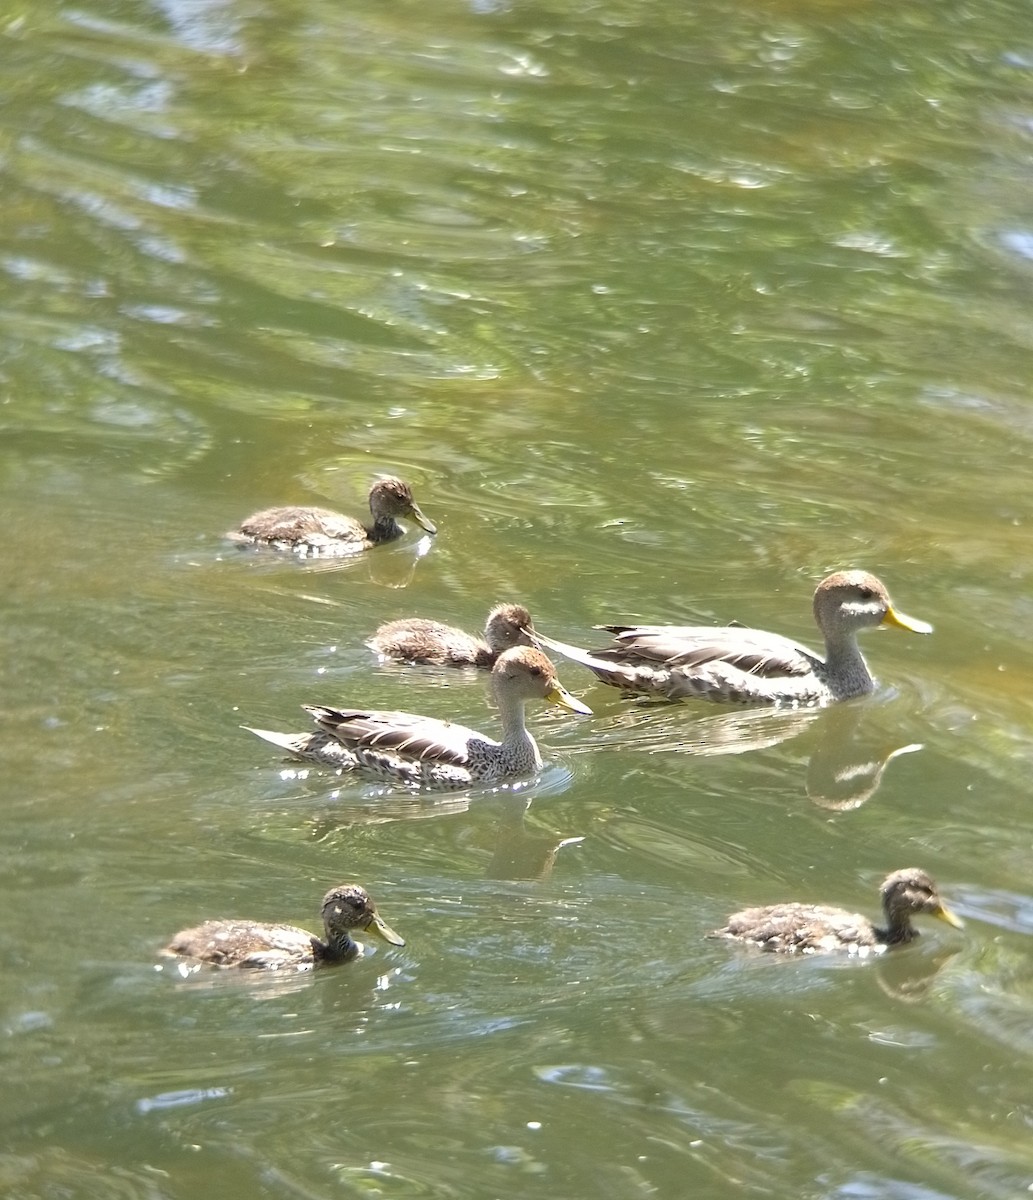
(945, 914)
(379, 925)
(903, 621)
(421, 520)
(560, 695)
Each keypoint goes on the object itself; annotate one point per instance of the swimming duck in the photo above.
(323, 533)
(346, 908)
(750, 666)
(816, 929)
(416, 640)
(424, 751)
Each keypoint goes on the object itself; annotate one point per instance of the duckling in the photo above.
(416, 640)
(323, 533)
(817, 929)
(426, 752)
(749, 666)
(345, 908)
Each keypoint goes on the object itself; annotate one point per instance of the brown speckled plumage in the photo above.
(816, 929)
(346, 908)
(323, 533)
(417, 640)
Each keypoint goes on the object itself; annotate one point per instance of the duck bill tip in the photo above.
(951, 918)
(903, 621)
(380, 926)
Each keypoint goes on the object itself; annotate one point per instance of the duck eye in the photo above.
(866, 593)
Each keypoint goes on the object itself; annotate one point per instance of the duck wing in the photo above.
(300, 955)
(418, 640)
(244, 944)
(806, 928)
(316, 526)
(406, 735)
(692, 646)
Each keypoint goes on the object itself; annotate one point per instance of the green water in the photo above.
(664, 312)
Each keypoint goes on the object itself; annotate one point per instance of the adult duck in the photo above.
(323, 533)
(736, 664)
(428, 752)
(346, 909)
(417, 640)
(817, 929)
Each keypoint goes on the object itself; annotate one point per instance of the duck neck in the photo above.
(338, 947)
(514, 728)
(845, 666)
(384, 529)
(898, 927)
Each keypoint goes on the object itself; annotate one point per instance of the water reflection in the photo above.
(181, 1098)
(254, 250)
(200, 978)
(520, 853)
(910, 977)
(393, 567)
(845, 763)
(845, 770)
(515, 850)
(55, 1170)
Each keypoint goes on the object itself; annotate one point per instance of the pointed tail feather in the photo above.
(293, 743)
(585, 657)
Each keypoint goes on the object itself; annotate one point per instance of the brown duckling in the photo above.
(323, 533)
(427, 752)
(750, 666)
(346, 908)
(817, 929)
(416, 640)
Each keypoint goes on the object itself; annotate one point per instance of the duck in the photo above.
(416, 640)
(426, 752)
(346, 908)
(817, 929)
(323, 533)
(738, 665)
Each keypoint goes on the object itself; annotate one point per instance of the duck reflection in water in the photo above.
(497, 828)
(845, 771)
(844, 766)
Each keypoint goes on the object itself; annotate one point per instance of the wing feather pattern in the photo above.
(408, 734)
(765, 655)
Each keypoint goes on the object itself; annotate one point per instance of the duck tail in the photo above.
(293, 743)
(585, 657)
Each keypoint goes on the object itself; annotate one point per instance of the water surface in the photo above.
(664, 315)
